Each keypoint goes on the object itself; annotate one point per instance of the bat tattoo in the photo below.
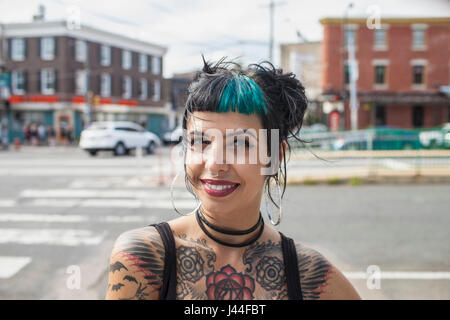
(116, 287)
(117, 267)
(130, 278)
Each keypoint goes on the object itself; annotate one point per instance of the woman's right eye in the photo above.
(198, 141)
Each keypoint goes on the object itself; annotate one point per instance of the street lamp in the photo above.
(353, 70)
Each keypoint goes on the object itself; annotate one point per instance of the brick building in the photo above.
(403, 68)
(55, 69)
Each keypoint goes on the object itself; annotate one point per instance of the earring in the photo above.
(276, 222)
(173, 203)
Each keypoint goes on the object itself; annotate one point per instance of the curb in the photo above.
(359, 180)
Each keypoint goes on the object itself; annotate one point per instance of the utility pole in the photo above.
(272, 9)
(353, 70)
(272, 27)
(88, 97)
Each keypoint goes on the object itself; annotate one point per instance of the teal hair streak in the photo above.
(243, 94)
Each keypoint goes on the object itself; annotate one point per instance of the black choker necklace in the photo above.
(200, 220)
(230, 232)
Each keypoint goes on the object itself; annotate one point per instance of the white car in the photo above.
(436, 137)
(173, 137)
(117, 136)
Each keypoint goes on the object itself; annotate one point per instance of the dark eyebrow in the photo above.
(236, 133)
(241, 131)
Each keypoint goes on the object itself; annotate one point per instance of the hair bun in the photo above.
(286, 94)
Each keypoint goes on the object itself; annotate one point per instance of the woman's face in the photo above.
(240, 182)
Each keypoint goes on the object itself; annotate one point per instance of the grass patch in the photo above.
(334, 181)
(309, 182)
(355, 181)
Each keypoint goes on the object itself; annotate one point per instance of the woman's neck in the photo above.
(233, 221)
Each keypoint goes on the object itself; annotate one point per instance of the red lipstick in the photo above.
(207, 183)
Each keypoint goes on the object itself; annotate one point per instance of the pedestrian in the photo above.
(223, 249)
(4, 136)
(27, 134)
(34, 135)
(42, 134)
(69, 134)
(51, 135)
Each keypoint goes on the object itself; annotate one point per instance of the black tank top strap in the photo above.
(291, 268)
(169, 287)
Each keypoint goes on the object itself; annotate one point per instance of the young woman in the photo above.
(224, 249)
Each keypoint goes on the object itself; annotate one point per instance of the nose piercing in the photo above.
(215, 175)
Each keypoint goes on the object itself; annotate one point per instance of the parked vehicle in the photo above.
(378, 138)
(435, 138)
(173, 137)
(117, 136)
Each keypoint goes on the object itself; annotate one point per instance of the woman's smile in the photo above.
(218, 188)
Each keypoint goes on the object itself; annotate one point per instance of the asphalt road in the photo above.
(61, 210)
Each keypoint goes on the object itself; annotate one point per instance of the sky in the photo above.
(237, 29)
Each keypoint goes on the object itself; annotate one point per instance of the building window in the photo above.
(105, 85)
(143, 89)
(18, 82)
(156, 65)
(126, 87)
(48, 48)
(81, 82)
(18, 49)
(81, 49)
(418, 37)
(417, 114)
(48, 81)
(143, 64)
(418, 74)
(156, 90)
(380, 74)
(380, 115)
(105, 55)
(380, 38)
(127, 61)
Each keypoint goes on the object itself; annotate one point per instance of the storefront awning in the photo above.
(404, 98)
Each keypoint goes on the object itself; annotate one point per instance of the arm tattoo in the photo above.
(145, 253)
(314, 272)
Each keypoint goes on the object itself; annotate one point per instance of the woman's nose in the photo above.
(214, 158)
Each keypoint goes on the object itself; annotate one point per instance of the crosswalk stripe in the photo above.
(7, 203)
(96, 193)
(60, 237)
(111, 203)
(9, 266)
(32, 217)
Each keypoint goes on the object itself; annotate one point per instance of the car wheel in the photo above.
(119, 149)
(151, 147)
(93, 152)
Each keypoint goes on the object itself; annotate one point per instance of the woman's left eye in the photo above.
(240, 143)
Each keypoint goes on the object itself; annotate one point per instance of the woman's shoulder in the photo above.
(136, 265)
(319, 278)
